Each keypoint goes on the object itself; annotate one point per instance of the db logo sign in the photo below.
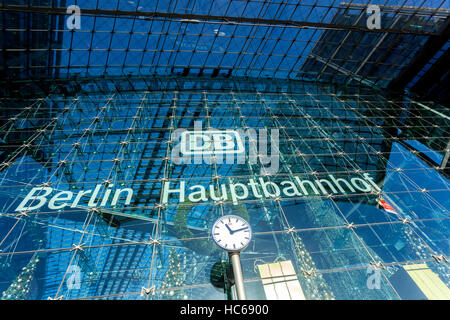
(227, 146)
(212, 142)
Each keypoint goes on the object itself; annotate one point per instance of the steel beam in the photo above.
(200, 18)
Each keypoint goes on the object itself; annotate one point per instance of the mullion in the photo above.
(129, 39)
(247, 43)
(111, 39)
(92, 40)
(164, 40)
(263, 38)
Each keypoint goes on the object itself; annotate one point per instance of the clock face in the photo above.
(231, 233)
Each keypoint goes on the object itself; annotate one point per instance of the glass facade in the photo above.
(106, 193)
(335, 237)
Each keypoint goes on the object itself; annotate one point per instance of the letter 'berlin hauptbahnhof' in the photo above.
(267, 189)
(259, 188)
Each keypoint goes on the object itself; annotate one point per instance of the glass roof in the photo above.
(314, 39)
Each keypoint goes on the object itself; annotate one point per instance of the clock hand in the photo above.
(240, 229)
(231, 231)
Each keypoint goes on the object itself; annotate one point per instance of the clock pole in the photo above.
(238, 277)
(226, 239)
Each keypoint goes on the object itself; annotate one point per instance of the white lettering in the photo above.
(287, 191)
(366, 187)
(201, 193)
(37, 197)
(167, 191)
(59, 197)
(266, 192)
(40, 197)
(129, 192)
(234, 195)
